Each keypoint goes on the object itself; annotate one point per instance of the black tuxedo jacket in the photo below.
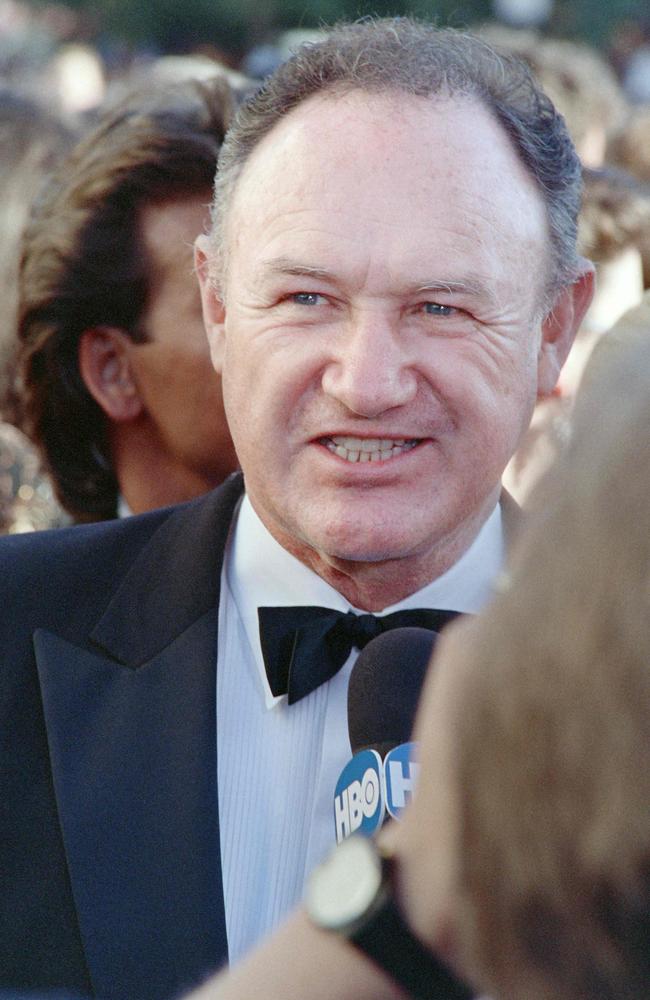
(110, 873)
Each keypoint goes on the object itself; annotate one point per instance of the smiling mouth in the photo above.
(352, 449)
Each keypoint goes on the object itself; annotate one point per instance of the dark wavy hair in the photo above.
(84, 264)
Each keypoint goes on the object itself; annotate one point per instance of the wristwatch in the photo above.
(352, 894)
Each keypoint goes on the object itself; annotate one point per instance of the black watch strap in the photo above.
(386, 939)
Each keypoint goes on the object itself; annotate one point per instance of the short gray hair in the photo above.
(407, 56)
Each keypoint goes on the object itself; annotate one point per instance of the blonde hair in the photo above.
(630, 145)
(553, 742)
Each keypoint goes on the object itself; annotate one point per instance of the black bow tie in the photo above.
(305, 646)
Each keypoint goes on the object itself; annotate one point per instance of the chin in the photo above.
(346, 545)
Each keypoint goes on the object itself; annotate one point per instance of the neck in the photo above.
(373, 586)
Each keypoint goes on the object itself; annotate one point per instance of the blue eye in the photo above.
(436, 309)
(306, 298)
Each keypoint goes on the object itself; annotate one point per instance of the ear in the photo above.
(560, 326)
(214, 312)
(104, 363)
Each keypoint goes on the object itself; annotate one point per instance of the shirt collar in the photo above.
(123, 509)
(260, 573)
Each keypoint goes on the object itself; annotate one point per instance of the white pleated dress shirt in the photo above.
(278, 764)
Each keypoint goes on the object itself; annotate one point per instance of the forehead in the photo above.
(168, 230)
(407, 175)
(170, 227)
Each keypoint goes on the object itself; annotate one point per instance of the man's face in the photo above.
(382, 331)
(178, 387)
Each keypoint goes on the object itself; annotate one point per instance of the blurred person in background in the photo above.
(32, 140)
(631, 331)
(75, 74)
(117, 388)
(635, 71)
(614, 217)
(27, 500)
(44, 52)
(629, 145)
(579, 81)
(614, 220)
(164, 73)
(629, 149)
(551, 723)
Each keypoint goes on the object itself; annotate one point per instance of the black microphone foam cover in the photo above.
(384, 689)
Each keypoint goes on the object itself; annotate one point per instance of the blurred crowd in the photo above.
(93, 386)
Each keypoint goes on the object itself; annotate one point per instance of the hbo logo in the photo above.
(358, 798)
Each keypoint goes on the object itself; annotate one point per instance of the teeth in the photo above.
(353, 449)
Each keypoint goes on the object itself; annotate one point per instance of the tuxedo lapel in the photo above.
(134, 768)
(174, 581)
(130, 719)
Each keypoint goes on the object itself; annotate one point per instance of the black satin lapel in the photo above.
(134, 766)
(174, 580)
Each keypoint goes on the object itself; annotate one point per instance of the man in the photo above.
(391, 282)
(118, 389)
(522, 860)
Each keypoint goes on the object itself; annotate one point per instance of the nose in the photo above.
(370, 372)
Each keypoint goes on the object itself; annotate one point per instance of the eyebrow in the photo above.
(465, 287)
(292, 268)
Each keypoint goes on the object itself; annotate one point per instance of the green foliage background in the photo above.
(235, 25)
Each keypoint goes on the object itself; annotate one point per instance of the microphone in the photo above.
(383, 694)
(385, 686)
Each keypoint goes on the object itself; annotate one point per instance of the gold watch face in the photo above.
(342, 888)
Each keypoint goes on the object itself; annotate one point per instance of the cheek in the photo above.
(181, 386)
(493, 390)
(264, 388)
(244, 406)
